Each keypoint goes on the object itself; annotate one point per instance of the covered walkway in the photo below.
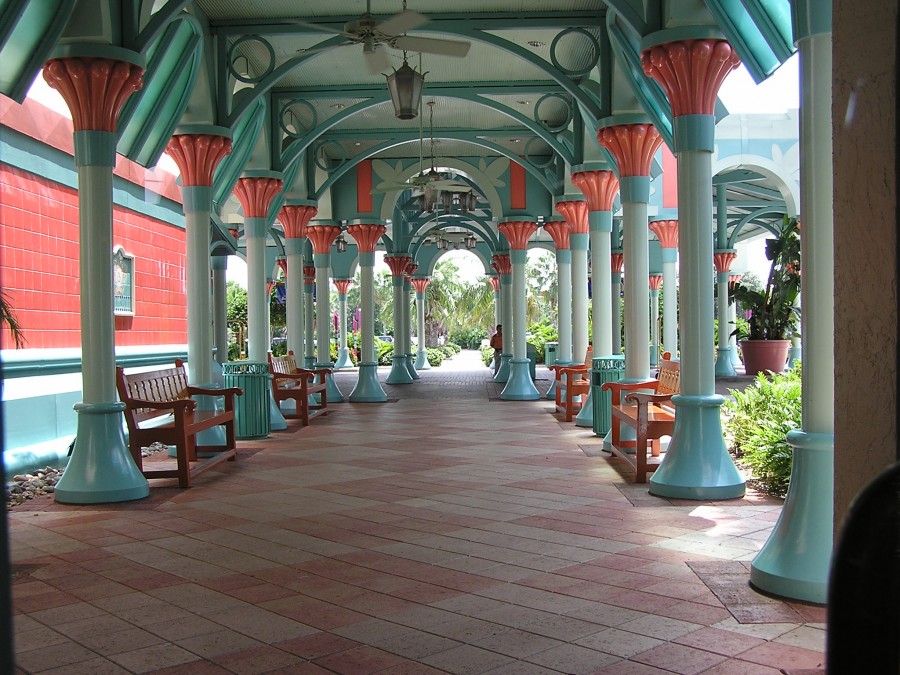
(442, 531)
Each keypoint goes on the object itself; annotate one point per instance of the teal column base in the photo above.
(422, 360)
(795, 560)
(551, 390)
(697, 464)
(502, 375)
(368, 388)
(215, 435)
(735, 357)
(399, 372)
(334, 394)
(309, 362)
(288, 407)
(585, 416)
(343, 360)
(276, 419)
(794, 355)
(410, 366)
(520, 386)
(101, 469)
(724, 367)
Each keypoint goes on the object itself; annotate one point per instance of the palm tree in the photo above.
(8, 317)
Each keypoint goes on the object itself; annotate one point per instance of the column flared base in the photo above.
(368, 388)
(697, 464)
(309, 362)
(343, 361)
(399, 372)
(794, 355)
(502, 375)
(520, 386)
(585, 416)
(794, 562)
(101, 469)
(724, 366)
(334, 394)
(422, 360)
(410, 366)
(215, 435)
(276, 419)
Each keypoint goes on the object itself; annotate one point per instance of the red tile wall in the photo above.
(39, 266)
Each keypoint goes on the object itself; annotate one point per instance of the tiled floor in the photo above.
(446, 532)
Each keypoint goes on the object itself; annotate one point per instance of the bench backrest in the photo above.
(669, 377)
(159, 385)
(285, 365)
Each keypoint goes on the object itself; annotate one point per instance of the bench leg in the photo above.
(183, 450)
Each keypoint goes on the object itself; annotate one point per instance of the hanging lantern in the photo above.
(405, 86)
(447, 201)
(471, 242)
(341, 244)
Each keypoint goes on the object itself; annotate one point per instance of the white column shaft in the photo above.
(564, 308)
(601, 299)
(579, 303)
(670, 308)
(637, 291)
(342, 321)
(323, 311)
(257, 330)
(506, 295)
(722, 314)
(196, 276)
(520, 350)
(367, 313)
(420, 319)
(220, 314)
(294, 295)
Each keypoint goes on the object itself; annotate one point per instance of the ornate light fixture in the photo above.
(341, 244)
(471, 242)
(405, 85)
(443, 244)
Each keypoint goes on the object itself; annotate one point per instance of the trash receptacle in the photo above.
(531, 353)
(550, 351)
(251, 411)
(604, 369)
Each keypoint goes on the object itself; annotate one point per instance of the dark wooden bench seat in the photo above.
(291, 382)
(160, 400)
(647, 409)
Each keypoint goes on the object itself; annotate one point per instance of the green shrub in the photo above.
(435, 356)
(539, 334)
(384, 351)
(468, 338)
(454, 348)
(487, 355)
(757, 422)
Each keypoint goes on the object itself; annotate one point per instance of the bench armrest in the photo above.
(316, 371)
(618, 387)
(643, 399)
(178, 405)
(204, 391)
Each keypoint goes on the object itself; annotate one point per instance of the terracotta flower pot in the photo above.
(762, 355)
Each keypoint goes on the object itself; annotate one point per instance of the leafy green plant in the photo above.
(8, 317)
(435, 356)
(384, 351)
(757, 422)
(539, 334)
(487, 355)
(468, 338)
(772, 313)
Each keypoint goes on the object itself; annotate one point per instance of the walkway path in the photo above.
(445, 532)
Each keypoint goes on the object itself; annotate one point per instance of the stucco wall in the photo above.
(865, 223)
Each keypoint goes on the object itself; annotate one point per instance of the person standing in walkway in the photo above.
(497, 346)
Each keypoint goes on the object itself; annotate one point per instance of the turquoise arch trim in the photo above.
(788, 186)
(470, 221)
(244, 135)
(29, 32)
(736, 229)
(154, 23)
(149, 118)
(760, 31)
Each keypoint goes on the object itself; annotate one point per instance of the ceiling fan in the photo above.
(430, 181)
(373, 35)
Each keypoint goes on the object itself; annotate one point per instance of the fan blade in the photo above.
(431, 45)
(400, 23)
(319, 28)
(377, 60)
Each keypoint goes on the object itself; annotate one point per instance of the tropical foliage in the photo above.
(772, 312)
(9, 319)
(757, 422)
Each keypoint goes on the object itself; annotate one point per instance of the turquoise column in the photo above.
(219, 264)
(666, 232)
(95, 81)
(723, 260)
(309, 315)
(697, 464)
(559, 232)
(407, 321)
(599, 187)
(520, 386)
(322, 237)
(343, 361)
(197, 150)
(795, 560)
(503, 265)
(368, 388)
(399, 372)
(255, 191)
(655, 283)
(421, 285)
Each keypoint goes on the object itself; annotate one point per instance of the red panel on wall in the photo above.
(39, 254)
(516, 186)
(364, 187)
(670, 179)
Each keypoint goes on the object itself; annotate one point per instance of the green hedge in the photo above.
(435, 356)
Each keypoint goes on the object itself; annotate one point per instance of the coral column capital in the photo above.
(421, 283)
(343, 285)
(575, 211)
(256, 194)
(599, 188)
(723, 261)
(502, 263)
(617, 263)
(197, 156)
(666, 231)
(632, 146)
(322, 237)
(518, 232)
(366, 236)
(294, 218)
(397, 264)
(559, 231)
(656, 281)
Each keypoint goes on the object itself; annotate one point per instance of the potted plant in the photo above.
(771, 312)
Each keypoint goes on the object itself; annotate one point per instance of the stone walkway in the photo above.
(445, 532)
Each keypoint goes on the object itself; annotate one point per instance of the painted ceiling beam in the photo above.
(430, 89)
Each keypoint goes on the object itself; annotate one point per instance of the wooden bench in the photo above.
(650, 413)
(572, 385)
(291, 382)
(151, 397)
